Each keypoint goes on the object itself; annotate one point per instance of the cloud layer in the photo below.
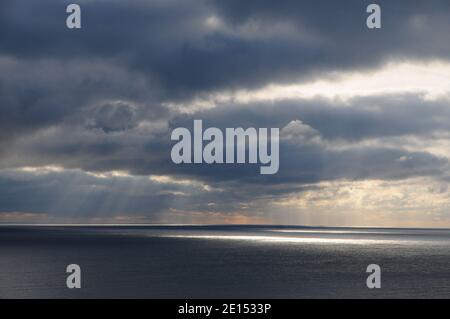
(86, 115)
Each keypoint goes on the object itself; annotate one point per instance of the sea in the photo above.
(232, 261)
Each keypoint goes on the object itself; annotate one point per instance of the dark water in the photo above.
(223, 262)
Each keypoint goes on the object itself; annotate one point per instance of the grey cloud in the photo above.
(136, 53)
(95, 99)
(354, 120)
(112, 117)
(145, 36)
(76, 194)
(307, 152)
(40, 94)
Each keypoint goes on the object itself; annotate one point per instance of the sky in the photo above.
(86, 114)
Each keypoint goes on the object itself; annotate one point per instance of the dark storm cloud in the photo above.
(310, 130)
(114, 117)
(383, 115)
(39, 94)
(245, 51)
(301, 164)
(135, 51)
(96, 99)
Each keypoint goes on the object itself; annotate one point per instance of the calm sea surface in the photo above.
(223, 262)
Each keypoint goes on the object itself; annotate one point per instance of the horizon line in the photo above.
(202, 225)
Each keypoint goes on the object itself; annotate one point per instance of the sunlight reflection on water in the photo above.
(309, 240)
